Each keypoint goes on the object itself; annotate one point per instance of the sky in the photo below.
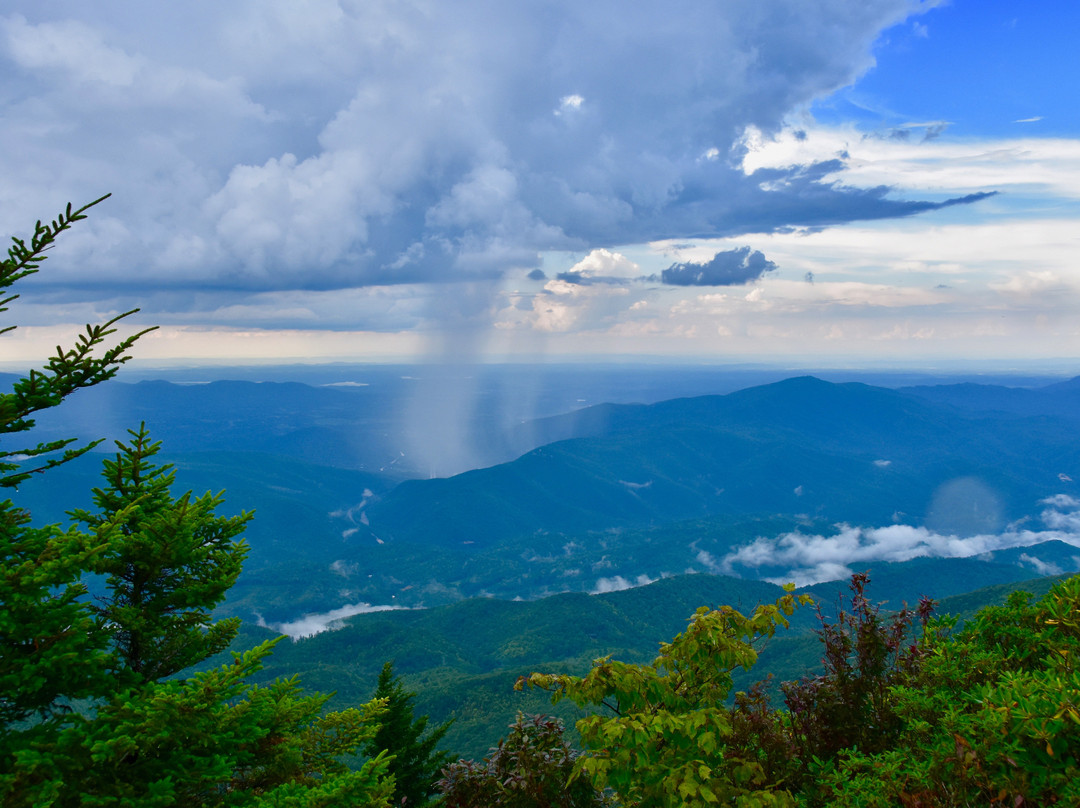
(869, 182)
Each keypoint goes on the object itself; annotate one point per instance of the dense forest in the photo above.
(118, 699)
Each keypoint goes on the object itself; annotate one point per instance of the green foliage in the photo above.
(533, 767)
(414, 761)
(849, 704)
(992, 716)
(988, 715)
(664, 741)
(94, 708)
(168, 563)
(69, 370)
(211, 739)
(50, 650)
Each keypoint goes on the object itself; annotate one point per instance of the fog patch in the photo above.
(709, 561)
(311, 624)
(618, 583)
(346, 569)
(1041, 567)
(812, 558)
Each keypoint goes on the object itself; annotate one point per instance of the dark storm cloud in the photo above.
(265, 146)
(729, 268)
(588, 279)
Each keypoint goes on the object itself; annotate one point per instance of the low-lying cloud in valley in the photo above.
(811, 558)
(617, 583)
(312, 624)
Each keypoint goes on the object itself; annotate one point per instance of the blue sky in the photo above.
(848, 181)
(980, 66)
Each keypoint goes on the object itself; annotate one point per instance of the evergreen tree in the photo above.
(50, 650)
(416, 765)
(83, 365)
(94, 709)
(169, 564)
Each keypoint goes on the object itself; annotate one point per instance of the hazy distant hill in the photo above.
(842, 452)
(631, 493)
(616, 496)
(333, 427)
(1061, 400)
(407, 420)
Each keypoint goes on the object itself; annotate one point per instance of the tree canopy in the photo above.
(415, 762)
(902, 716)
(98, 704)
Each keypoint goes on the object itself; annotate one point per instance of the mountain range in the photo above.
(955, 491)
(614, 495)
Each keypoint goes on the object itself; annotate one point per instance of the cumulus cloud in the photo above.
(1061, 501)
(256, 147)
(812, 558)
(729, 268)
(601, 266)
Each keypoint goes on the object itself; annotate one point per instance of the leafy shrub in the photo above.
(531, 768)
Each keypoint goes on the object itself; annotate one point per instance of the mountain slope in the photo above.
(464, 658)
(844, 452)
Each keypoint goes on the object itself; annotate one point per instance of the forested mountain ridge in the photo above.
(463, 658)
(839, 452)
(644, 491)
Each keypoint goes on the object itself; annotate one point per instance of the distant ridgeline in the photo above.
(798, 480)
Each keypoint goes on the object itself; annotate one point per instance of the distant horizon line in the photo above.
(1043, 366)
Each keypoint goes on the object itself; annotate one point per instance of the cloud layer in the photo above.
(312, 624)
(256, 147)
(808, 559)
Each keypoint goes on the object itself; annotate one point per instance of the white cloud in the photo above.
(1041, 567)
(569, 103)
(253, 144)
(954, 167)
(312, 624)
(1061, 501)
(278, 159)
(71, 48)
(618, 583)
(605, 263)
(568, 306)
(812, 558)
